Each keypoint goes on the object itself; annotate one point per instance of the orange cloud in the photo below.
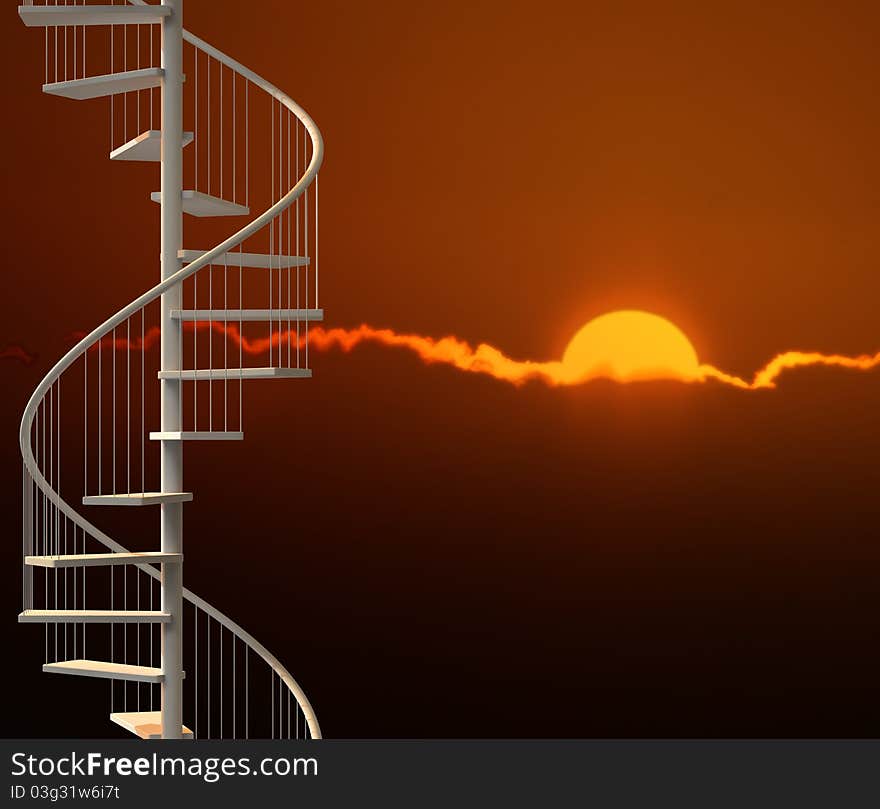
(482, 359)
(487, 359)
(767, 376)
(151, 338)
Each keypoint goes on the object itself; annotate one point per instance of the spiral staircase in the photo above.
(168, 368)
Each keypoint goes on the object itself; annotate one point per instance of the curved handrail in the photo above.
(149, 296)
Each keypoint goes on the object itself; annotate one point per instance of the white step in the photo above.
(109, 671)
(249, 315)
(108, 85)
(137, 499)
(216, 435)
(41, 16)
(146, 147)
(146, 724)
(94, 617)
(237, 373)
(197, 203)
(101, 559)
(234, 259)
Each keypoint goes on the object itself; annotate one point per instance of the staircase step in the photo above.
(137, 499)
(234, 259)
(249, 315)
(108, 85)
(216, 435)
(237, 373)
(102, 559)
(197, 203)
(146, 724)
(108, 671)
(94, 617)
(147, 146)
(43, 16)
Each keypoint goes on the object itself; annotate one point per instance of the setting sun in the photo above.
(627, 346)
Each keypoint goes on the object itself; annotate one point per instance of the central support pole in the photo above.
(172, 451)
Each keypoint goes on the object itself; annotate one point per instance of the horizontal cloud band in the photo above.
(484, 359)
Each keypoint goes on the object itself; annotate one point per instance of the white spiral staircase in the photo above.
(166, 369)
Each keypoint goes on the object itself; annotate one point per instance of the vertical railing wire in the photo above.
(100, 409)
(317, 265)
(128, 406)
(52, 533)
(208, 685)
(42, 446)
(221, 700)
(196, 136)
(112, 69)
(271, 231)
(195, 336)
(62, 519)
(289, 251)
(210, 348)
(113, 391)
(226, 340)
(296, 217)
(220, 81)
(279, 220)
(306, 248)
(234, 152)
(143, 402)
(196, 667)
(125, 95)
(210, 122)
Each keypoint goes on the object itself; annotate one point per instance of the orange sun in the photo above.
(627, 346)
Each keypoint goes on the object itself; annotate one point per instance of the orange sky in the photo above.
(696, 165)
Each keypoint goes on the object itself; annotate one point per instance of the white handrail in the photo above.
(123, 314)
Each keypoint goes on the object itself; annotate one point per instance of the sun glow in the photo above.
(629, 346)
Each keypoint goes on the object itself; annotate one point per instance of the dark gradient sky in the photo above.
(457, 557)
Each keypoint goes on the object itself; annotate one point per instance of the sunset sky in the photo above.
(465, 557)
